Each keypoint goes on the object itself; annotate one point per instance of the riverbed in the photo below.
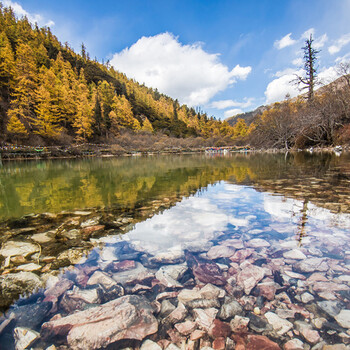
(245, 251)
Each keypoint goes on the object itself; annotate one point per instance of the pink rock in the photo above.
(293, 344)
(242, 254)
(128, 317)
(260, 342)
(87, 231)
(219, 343)
(317, 277)
(310, 335)
(249, 277)
(124, 265)
(220, 251)
(186, 327)
(257, 243)
(177, 315)
(209, 272)
(267, 290)
(197, 334)
(219, 329)
(205, 317)
(328, 287)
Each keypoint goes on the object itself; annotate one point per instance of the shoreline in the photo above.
(73, 152)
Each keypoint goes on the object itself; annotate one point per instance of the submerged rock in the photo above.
(249, 277)
(129, 317)
(343, 318)
(14, 248)
(24, 337)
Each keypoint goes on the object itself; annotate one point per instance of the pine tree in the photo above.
(146, 125)
(7, 66)
(16, 127)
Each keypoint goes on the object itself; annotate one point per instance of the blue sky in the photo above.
(224, 56)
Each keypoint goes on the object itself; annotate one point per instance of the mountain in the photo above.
(50, 94)
(248, 117)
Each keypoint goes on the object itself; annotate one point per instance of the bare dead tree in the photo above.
(310, 79)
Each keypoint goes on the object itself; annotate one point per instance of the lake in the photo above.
(174, 252)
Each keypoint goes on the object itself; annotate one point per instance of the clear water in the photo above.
(291, 202)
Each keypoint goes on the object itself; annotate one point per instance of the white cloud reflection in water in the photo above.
(206, 215)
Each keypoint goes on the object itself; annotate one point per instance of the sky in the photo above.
(222, 56)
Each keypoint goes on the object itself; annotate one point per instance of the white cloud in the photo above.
(284, 42)
(307, 33)
(278, 88)
(327, 75)
(232, 112)
(320, 41)
(298, 61)
(223, 104)
(339, 44)
(32, 17)
(185, 72)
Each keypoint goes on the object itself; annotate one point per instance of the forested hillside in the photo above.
(49, 94)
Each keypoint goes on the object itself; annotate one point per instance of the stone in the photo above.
(29, 267)
(249, 277)
(239, 324)
(150, 345)
(24, 337)
(258, 324)
(331, 308)
(343, 318)
(88, 231)
(186, 327)
(219, 329)
(174, 256)
(219, 343)
(31, 315)
(310, 335)
(257, 243)
(177, 315)
(230, 309)
(53, 293)
(203, 298)
(328, 287)
(260, 342)
(139, 275)
(197, 246)
(205, 317)
(242, 255)
(166, 308)
(294, 344)
(220, 251)
(307, 297)
(295, 254)
(13, 285)
(102, 279)
(335, 347)
(209, 272)
(280, 325)
(78, 299)
(311, 265)
(318, 322)
(267, 290)
(169, 275)
(124, 265)
(197, 334)
(14, 248)
(128, 317)
(44, 237)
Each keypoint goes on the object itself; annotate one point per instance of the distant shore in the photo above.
(14, 152)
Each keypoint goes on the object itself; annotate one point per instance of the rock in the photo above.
(197, 334)
(205, 317)
(331, 308)
(14, 248)
(230, 309)
(343, 318)
(174, 256)
(88, 231)
(150, 345)
(239, 324)
(257, 243)
(311, 265)
(219, 343)
(267, 290)
(249, 277)
(318, 322)
(258, 324)
(310, 335)
(242, 255)
(259, 342)
(128, 317)
(219, 329)
(53, 293)
(186, 327)
(138, 275)
(294, 344)
(208, 272)
(101, 278)
(177, 315)
(335, 347)
(44, 237)
(90, 222)
(29, 267)
(13, 285)
(328, 287)
(78, 299)
(203, 298)
(166, 308)
(295, 254)
(197, 246)
(31, 315)
(235, 243)
(169, 275)
(307, 297)
(220, 251)
(279, 325)
(24, 337)
(124, 265)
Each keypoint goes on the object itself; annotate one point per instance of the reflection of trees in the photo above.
(301, 229)
(127, 182)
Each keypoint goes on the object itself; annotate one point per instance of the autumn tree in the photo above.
(146, 125)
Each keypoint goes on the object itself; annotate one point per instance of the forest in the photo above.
(51, 95)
